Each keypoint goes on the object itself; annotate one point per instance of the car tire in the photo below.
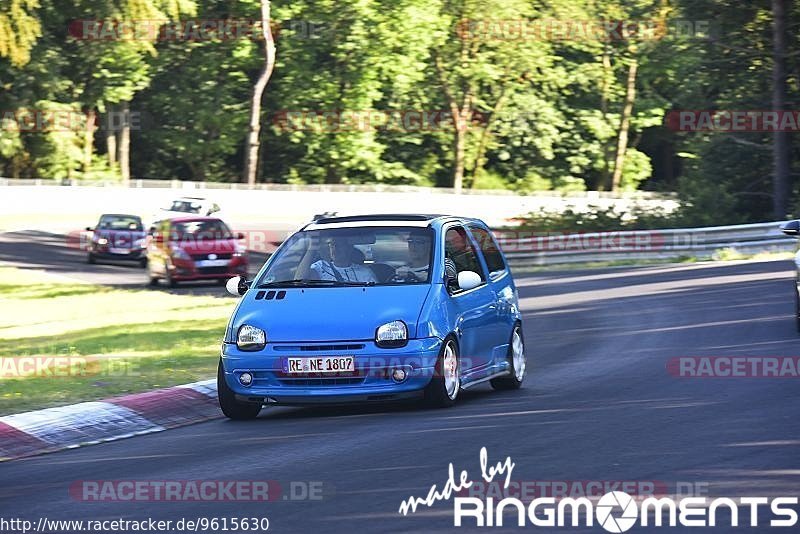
(797, 306)
(443, 389)
(233, 409)
(143, 263)
(517, 361)
(91, 259)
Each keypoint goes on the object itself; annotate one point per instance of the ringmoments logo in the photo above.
(616, 500)
(615, 511)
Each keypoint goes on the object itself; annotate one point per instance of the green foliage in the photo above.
(551, 108)
(19, 29)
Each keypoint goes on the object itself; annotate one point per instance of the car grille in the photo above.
(322, 382)
(212, 270)
(318, 348)
(220, 256)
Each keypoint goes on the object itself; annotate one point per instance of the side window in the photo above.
(489, 249)
(458, 248)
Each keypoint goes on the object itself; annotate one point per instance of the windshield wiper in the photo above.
(298, 282)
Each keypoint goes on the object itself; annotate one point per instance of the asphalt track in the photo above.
(598, 405)
(60, 254)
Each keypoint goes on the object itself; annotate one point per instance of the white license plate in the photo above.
(322, 365)
(212, 263)
(119, 250)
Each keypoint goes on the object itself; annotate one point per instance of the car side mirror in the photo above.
(89, 229)
(237, 286)
(468, 280)
(240, 235)
(791, 228)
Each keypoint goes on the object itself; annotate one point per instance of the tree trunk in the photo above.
(459, 124)
(88, 139)
(111, 138)
(622, 140)
(125, 145)
(780, 145)
(607, 146)
(252, 146)
(483, 142)
(460, 150)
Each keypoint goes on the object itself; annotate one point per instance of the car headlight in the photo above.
(393, 334)
(239, 252)
(139, 243)
(180, 254)
(250, 338)
(102, 241)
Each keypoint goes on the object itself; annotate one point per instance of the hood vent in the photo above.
(269, 295)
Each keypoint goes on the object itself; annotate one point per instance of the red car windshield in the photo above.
(201, 230)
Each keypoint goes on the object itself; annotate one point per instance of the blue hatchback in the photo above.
(373, 308)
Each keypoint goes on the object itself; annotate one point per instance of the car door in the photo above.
(502, 286)
(474, 310)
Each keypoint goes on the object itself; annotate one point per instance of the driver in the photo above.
(342, 266)
(419, 250)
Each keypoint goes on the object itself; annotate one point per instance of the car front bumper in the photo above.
(186, 270)
(371, 381)
(134, 254)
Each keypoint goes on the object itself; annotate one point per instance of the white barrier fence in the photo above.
(529, 249)
(293, 204)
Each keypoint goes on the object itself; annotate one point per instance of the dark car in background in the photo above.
(194, 248)
(118, 237)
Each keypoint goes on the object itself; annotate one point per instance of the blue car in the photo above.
(373, 308)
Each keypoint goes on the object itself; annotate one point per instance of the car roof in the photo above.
(196, 218)
(384, 219)
(120, 215)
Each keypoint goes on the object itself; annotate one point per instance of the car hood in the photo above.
(207, 246)
(120, 238)
(330, 313)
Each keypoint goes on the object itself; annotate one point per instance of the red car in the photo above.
(194, 248)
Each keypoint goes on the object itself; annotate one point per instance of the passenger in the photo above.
(419, 251)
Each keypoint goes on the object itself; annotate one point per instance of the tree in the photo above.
(19, 29)
(251, 150)
(780, 143)
(479, 67)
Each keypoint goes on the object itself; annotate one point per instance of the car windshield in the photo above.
(185, 206)
(210, 229)
(120, 222)
(352, 256)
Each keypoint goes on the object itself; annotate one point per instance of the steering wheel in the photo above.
(409, 277)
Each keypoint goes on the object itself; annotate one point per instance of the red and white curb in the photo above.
(88, 423)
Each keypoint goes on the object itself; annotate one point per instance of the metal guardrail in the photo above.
(530, 249)
(376, 188)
